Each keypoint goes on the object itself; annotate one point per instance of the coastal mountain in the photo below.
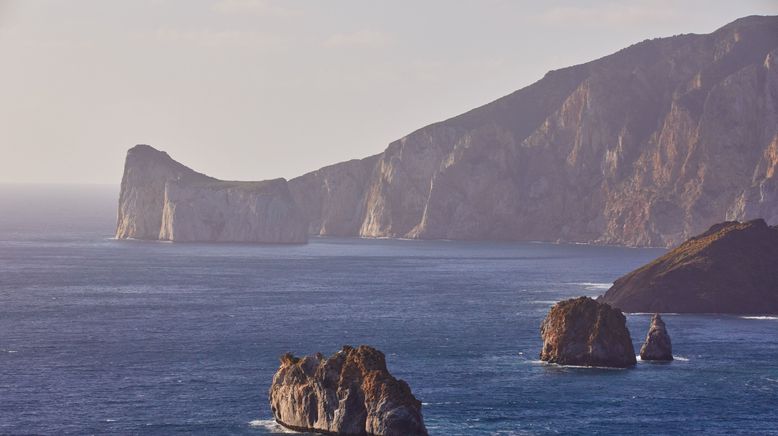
(731, 268)
(644, 147)
(165, 200)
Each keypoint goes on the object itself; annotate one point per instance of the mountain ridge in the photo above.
(643, 147)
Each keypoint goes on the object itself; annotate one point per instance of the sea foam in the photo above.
(270, 425)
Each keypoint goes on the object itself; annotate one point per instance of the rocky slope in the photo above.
(583, 332)
(162, 199)
(657, 345)
(646, 146)
(349, 393)
(731, 268)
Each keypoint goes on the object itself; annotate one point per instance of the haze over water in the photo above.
(103, 336)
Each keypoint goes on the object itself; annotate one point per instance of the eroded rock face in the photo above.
(217, 211)
(657, 345)
(583, 332)
(349, 393)
(163, 199)
(644, 147)
(142, 197)
(731, 268)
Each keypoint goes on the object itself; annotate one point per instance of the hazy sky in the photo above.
(256, 89)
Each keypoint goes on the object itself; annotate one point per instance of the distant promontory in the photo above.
(731, 268)
(162, 199)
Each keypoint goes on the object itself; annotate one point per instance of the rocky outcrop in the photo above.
(657, 345)
(644, 147)
(142, 197)
(731, 268)
(583, 332)
(349, 393)
(161, 199)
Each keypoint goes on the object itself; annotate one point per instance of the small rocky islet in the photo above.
(657, 346)
(350, 393)
(583, 332)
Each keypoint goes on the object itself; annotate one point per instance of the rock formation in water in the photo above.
(731, 268)
(583, 332)
(657, 345)
(162, 199)
(646, 146)
(350, 393)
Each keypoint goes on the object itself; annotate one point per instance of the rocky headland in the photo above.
(731, 268)
(161, 199)
(583, 332)
(644, 147)
(349, 393)
(657, 345)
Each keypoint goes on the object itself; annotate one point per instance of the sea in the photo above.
(99, 336)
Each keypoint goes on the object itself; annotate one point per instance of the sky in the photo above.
(259, 89)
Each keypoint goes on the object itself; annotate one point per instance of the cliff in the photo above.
(350, 393)
(731, 268)
(644, 147)
(163, 199)
(583, 332)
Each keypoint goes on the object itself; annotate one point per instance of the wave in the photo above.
(592, 286)
(681, 358)
(651, 313)
(556, 365)
(270, 425)
(760, 317)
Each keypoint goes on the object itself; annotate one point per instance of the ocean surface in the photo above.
(99, 336)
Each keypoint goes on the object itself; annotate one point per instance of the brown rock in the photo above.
(350, 393)
(657, 345)
(731, 268)
(583, 332)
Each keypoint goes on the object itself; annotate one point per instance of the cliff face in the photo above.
(231, 212)
(162, 199)
(350, 393)
(583, 332)
(643, 147)
(142, 197)
(731, 268)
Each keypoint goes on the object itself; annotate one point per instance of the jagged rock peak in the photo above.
(657, 345)
(730, 268)
(583, 332)
(349, 393)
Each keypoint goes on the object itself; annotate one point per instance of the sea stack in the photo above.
(583, 332)
(161, 199)
(731, 268)
(349, 393)
(657, 345)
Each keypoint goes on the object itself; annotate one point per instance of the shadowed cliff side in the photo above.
(731, 268)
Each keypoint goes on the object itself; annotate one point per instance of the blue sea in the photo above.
(99, 336)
